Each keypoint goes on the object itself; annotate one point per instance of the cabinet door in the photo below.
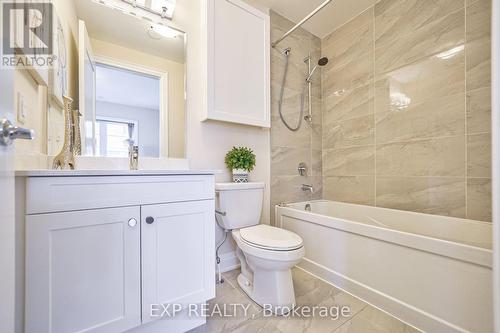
(178, 255)
(238, 63)
(83, 271)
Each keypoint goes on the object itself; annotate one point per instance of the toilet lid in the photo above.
(271, 238)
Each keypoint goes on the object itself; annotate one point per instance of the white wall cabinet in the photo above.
(238, 63)
(95, 269)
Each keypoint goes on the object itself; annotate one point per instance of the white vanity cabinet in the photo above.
(101, 250)
(177, 251)
(83, 271)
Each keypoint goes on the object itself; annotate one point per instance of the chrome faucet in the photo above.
(133, 154)
(307, 188)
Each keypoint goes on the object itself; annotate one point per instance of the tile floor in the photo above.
(309, 291)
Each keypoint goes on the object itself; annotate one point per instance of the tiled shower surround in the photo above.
(405, 110)
(289, 148)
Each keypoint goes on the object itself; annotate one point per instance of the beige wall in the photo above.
(411, 127)
(32, 153)
(208, 142)
(288, 148)
(176, 106)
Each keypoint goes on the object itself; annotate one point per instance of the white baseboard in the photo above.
(228, 262)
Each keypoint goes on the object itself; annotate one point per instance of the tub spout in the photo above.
(309, 188)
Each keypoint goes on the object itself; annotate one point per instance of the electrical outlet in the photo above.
(22, 108)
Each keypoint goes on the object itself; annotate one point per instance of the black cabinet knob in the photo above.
(149, 220)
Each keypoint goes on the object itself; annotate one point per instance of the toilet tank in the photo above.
(241, 203)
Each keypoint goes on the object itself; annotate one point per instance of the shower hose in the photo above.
(282, 91)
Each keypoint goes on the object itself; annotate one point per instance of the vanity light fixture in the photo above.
(163, 8)
(158, 31)
(451, 52)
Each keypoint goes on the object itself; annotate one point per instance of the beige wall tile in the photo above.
(360, 21)
(389, 95)
(429, 40)
(434, 157)
(316, 126)
(479, 199)
(433, 118)
(479, 111)
(344, 49)
(478, 47)
(396, 18)
(431, 195)
(283, 137)
(425, 80)
(317, 183)
(353, 189)
(470, 2)
(289, 148)
(478, 54)
(352, 161)
(479, 155)
(316, 163)
(288, 189)
(285, 160)
(353, 132)
(357, 72)
(478, 20)
(349, 104)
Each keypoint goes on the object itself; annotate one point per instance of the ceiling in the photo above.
(323, 23)
(113, 26)
(119, 86)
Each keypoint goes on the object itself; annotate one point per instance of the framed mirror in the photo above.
(131, 81)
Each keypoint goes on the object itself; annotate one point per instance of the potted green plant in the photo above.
(241, 161)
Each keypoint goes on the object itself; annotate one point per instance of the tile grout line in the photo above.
(338, 329)
(410, 141)
(374, 112)
(466, 144)
(400, 176)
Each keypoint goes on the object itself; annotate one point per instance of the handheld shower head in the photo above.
(321, 62)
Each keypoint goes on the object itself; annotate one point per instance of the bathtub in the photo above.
(432, 272)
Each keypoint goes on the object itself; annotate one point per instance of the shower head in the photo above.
(321, 62)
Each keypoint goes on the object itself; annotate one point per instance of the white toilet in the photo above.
(266, 253)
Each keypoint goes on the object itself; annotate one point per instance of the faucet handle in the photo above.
(306, 187)
(134, 157)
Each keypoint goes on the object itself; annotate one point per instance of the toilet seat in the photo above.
(270, 238)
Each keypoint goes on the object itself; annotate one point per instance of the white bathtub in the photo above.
(433, 272)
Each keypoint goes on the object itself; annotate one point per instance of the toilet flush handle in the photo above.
(220, 213)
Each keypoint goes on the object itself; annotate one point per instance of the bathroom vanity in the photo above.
(98, 250)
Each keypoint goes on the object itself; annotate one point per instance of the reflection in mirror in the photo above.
(132, 79)
(127, 111)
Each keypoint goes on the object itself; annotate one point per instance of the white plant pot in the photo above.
(240, 176)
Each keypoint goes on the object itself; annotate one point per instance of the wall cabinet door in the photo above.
(238, 63)
(178, 256)
(83, 271)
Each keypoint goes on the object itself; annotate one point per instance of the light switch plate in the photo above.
(22, 108)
